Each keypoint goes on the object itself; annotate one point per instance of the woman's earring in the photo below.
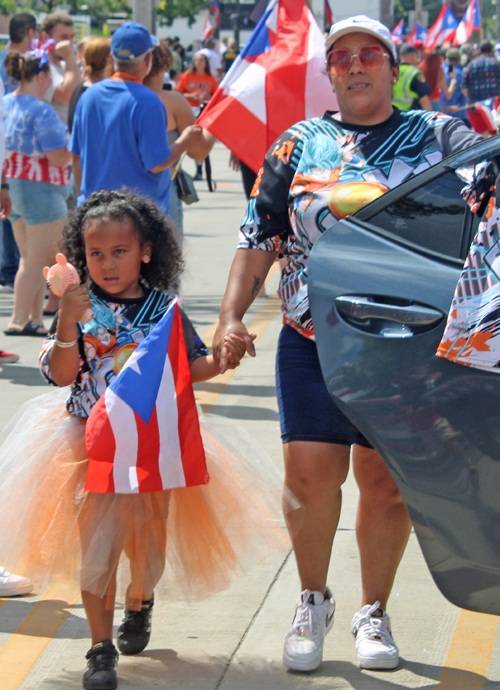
(146, 259)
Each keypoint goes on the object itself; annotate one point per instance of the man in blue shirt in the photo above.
(482, 75)
(119, 135)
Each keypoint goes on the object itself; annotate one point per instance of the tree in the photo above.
(8, 7)
(100, 10)
(171, 9)
(35, 5)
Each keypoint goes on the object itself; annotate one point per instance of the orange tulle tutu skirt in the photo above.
(186, 542)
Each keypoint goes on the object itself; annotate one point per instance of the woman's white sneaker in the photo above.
(371, 628)
(13, 585)
(303, 650)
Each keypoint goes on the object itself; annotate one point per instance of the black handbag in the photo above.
(186, 190)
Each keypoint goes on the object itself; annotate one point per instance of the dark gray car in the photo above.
(381, 283)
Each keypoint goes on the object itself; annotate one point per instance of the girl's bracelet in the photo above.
(63, 344)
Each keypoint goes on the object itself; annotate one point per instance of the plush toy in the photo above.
(60, 276)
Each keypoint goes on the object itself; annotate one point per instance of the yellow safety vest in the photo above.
(402, 95)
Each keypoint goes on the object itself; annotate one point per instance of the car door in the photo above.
(380, 284)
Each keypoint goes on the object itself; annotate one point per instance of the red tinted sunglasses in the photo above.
(371, 59)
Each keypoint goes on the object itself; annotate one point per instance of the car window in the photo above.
(434, 216)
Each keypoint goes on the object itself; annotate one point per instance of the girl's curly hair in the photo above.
(150, 224)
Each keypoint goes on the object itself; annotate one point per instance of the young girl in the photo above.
(125, 253)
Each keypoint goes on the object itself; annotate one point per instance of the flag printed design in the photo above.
(35, 168)
(212, 20)
(143, 434)
(329, 20)
(442, 30)
(277, 80)
(397, 32)
(470, 22)
(418, 33)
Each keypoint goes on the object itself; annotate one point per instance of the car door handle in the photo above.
(361, 308)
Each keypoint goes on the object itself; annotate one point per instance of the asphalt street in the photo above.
(233, 641)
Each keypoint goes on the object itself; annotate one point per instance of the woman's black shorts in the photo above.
(307, 412)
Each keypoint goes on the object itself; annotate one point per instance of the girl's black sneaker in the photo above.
(135, 631)
(102, 659)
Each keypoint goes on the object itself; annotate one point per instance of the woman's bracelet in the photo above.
(63, 344)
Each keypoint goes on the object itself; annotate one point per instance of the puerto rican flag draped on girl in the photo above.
(470, 22)
(143, 434)
(418, 33)
(277, 80)
(212, 20)
(397, 32)
(442, 30)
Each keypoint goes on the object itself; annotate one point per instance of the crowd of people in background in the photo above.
(112, 113)
(41, 101)
(449, 79)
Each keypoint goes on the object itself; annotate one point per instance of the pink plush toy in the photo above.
(60, 276)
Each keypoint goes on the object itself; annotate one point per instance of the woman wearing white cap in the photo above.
(316, 173)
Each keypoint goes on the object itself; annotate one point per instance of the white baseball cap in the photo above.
(362, 24)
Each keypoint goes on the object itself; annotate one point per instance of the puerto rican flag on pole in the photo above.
(277, 80)
(143, 434)
(418, 33)
(329, 20)
(442, 30)
(470, 22)
(397, 32)
(212, 20)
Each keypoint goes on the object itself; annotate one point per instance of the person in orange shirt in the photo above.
(198, 85)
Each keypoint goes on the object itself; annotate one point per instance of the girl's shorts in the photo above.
(307, 412)
(37, 202)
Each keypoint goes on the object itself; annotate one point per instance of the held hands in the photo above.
(231, 342)
(233, 351)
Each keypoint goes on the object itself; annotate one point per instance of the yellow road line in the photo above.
(24, 647)
(469, 653)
